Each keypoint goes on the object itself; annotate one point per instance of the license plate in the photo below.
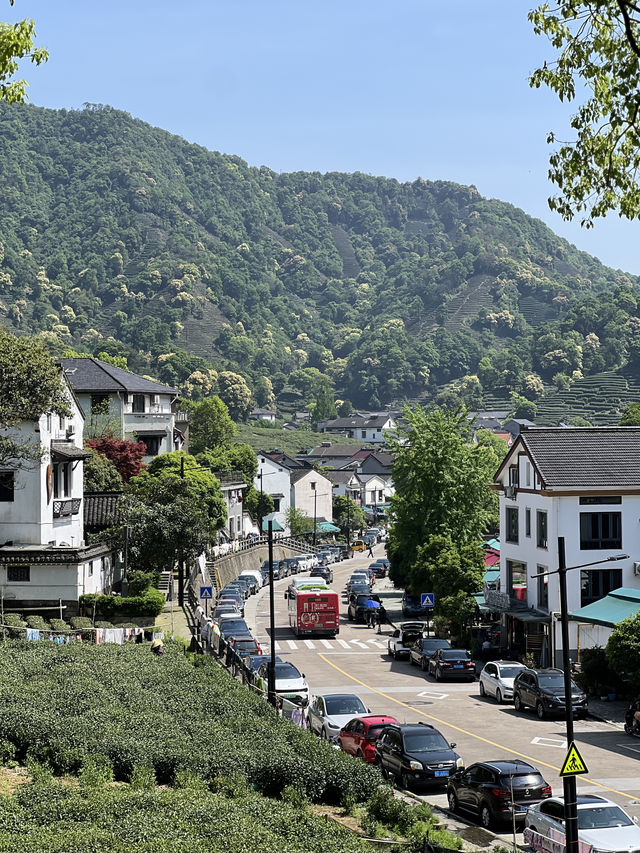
(441, 773)
(458, 666)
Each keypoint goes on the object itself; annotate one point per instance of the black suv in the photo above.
(543, 690)
(486, 790)
(416, 754)
(323, 572)
(293, 567)
(424, 649)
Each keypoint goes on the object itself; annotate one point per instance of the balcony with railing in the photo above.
(68, 507)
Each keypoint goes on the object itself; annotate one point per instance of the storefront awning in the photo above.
(327, 527)
(275, 524)
(491, 576)
(619, 604)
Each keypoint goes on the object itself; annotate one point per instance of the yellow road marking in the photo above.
(472, 734)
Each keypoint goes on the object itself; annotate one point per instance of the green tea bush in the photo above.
(62, 703)
(79, 622)
(148, 603)
(59, 625)
(38, 622)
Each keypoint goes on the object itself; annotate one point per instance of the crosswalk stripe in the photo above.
(278, 646)
(309, 644)
(326, 644)
(293, 646)
(376, 643)
(359, 643)
(344, 644)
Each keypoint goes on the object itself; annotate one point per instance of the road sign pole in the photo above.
(206, 608)
(568, 782)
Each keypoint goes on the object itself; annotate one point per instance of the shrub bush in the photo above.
(149, 603)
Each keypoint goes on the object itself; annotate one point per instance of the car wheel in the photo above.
(486, 817)
(423, 665)
(540, 710)
(403, 781)
(453, 801)
(499, 696)
(517, 702)
(482, 690)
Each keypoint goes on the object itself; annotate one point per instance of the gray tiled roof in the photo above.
(606, 457)
(100, 510)
(91, 374)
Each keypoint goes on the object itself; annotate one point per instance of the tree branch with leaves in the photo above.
(16, 43)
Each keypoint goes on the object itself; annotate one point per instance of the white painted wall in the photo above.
(302, 495)
(66, 582)
(276, 480)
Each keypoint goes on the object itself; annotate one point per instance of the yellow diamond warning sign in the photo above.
(573, 764)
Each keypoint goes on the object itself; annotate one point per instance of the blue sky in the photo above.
(401, 88)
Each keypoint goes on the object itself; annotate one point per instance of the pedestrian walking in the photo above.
(370, 554)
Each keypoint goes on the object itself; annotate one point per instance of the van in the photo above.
(253, 573)
(359, 545)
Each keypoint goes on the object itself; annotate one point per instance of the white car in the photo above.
(601, 823)
(328, 714)
(496, 679)
(253, 573)
(290, 682)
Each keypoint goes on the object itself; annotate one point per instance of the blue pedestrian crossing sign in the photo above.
(427, 599)
(206, 592)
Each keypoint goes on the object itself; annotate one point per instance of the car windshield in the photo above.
(362, 598)
(344, 705)
(522, 780)
(287, 670)
(509, 671)
(425, 742)
(431, 645)
(454, 654)
(605, 817)
(551, 679)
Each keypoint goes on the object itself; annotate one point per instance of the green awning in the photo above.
(491, 576)
(482, 605)
(619, 604)
(275, 524)
(327, 527)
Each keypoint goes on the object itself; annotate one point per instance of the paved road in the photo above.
(356, 662)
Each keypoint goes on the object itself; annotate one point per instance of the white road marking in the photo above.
(428, 694)
(278, 646)
(359, 644)
(377, 643)
(344, 644)
(309, 644)
(326, 644)
(292, 645)
(626, 746)
(549, 741)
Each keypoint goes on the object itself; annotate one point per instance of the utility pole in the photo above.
(568, 782)
(180, 558)
(271, 680)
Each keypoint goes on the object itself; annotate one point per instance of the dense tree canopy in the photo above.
(211, 426)
(598, 44)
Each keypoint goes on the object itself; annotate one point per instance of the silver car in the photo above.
(601, 823)
(328, 714)
(496, 679)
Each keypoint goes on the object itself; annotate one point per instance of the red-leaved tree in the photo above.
(125, 454)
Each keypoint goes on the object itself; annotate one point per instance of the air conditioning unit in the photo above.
(510, 492)
(71, 431)
(636, 569)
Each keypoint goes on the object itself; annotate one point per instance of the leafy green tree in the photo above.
(623, 650)
(325, 406)
(442, 486)
(598, 54)
(210, 427)
(631, 415)
(235, 393)
(258, 504)
(30, 386)
(298, 522)
(486, 438)
(16, 43)
(347, 514)
(236, 457)
(100, 474)
(523, 408)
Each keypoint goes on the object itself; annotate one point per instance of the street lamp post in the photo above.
(569, 782)
(271, 679)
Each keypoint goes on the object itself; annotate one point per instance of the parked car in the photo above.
(359, 736)
(378, 569)
(226, 629)
(328, 714)
(290, 682)
(251, 664)
(423, 650)
(238, 645)
(347, 551)
(602, 824)
(411, 607)
(487, 789)
(323, 572)
(292, 564)
(497, 677)
(249, 582)
(358, 577)
(240, 588)
(225, 608)
(228, 597)
(328, 555)
(452, 663)
(416, 754)
(543, 690)
(357, 609)
(253, 573)
(400, 643)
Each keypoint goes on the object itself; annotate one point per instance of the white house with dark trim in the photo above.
(44, 561)
(127, 405)
(580, 483)
(370, 428)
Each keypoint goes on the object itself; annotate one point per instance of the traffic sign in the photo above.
(206, 592)
(427, 599)
(573, 764)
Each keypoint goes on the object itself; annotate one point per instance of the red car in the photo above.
(359, 736)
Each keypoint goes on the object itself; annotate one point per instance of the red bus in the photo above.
(313, 610)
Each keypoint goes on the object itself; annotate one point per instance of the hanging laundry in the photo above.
(32, 634)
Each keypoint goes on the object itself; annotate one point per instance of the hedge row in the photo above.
(55, 818)
(60, 704)
(148, 603)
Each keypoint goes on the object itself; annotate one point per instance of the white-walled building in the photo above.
(43, 557)
(274, 479)
(312, 494)
(370, 428)
(582, 484)
(127, 405)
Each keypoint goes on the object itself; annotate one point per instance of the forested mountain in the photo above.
(121, 238)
